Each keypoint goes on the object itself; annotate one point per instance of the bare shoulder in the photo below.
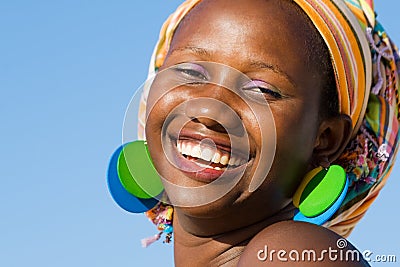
(291, 243)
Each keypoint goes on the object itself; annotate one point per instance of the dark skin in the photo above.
(231, 230)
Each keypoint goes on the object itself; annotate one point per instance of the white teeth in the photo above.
(204, 165)
(217, 157)
(236, 161)
(232, 161)
(224, 159)
(206, 154)
(193, 149)
(184, 149)
(196, 152)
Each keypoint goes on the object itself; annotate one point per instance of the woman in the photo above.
(278, 92)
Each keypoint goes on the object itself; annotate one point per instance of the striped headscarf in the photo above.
(366, 66)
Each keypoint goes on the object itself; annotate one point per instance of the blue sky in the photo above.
(67, 72)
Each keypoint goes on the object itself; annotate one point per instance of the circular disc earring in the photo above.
(129, 166)
(320, 194)
(137, 172)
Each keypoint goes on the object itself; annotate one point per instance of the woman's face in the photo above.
(263, 41)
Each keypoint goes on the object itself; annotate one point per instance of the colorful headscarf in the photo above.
(366, 65)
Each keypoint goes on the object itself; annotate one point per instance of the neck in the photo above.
(221, 247)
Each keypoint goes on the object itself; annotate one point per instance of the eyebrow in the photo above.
(274, 68)
(196, 50)
(254, 64)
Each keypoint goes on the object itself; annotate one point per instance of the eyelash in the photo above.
(265, 90)
(273, 93)
(192, 74)
(197, 77)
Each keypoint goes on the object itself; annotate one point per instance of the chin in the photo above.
(220, 200)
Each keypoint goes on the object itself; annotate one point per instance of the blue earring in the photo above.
(320, 194)
(132, 179)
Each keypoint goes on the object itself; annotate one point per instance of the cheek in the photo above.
(296, 129)
(297, 125)
(296, 132)
(155, 117)
(162, 100)
(157, 111)
(153, 134)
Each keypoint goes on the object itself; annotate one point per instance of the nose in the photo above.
(214, 114)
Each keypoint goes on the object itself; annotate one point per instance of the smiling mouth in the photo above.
(204, 159)
(207, 156)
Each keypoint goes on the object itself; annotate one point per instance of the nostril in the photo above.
(210, 124)
(214, 114)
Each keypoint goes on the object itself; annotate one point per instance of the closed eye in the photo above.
(192, 73)
(261, 87)
(269, 92)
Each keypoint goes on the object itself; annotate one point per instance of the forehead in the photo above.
(269, 31)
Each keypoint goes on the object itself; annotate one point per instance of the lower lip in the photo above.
(202, 174)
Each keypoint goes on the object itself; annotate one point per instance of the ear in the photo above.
(333, 135)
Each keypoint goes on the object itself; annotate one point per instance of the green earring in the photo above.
(133, 181)
(136, 171)
(320, 194)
